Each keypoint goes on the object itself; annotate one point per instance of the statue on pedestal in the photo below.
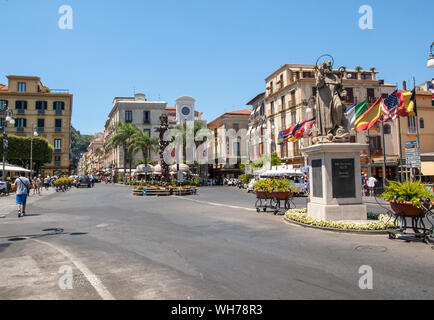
(330, 108)
(164, 126)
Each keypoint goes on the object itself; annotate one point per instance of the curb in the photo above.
(367, 232)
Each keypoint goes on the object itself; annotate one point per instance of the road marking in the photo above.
(216, 204)
(92, 278)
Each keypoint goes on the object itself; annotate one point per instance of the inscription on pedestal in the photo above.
(317, 178)
(344, 178)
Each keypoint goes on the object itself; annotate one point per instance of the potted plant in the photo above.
(282, 189)
(405, 198)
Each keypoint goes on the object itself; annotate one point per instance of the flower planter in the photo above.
(407, 209)
(263, 194)
(282, 195)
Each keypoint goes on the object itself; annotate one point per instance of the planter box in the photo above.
(407, 209)
(282, 195)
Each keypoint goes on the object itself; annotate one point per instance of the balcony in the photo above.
(20, 129)
(40, 129)
(147, 121)
(58, 129)
(371, 99)
(41, 111)
(376, 152)
(57, 150)
(21, 111)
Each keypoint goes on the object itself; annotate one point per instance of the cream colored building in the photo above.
(138, 110)
(92, 162)
(47, 110)
(228, 152)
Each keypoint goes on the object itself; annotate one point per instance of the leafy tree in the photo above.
(122, 137)
(18, 152)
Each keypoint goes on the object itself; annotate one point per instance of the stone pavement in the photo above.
(8, 203)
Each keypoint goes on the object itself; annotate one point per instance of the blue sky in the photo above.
(218, 52)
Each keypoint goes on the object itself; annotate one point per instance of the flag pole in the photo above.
(400, 151)
(417, 126)
(369, 163)
(384, 155)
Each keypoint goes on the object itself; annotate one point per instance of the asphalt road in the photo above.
(211, 246)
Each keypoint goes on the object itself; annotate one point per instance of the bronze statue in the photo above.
(164, 126)
(330, 109)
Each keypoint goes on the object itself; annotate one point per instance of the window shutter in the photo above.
(24, 123)
(17, 104)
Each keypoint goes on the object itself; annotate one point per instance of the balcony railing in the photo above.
(40, 129)
(57, 150)
(21, 111)
(20, 129)
(41, 111)
(58, 129)
(412, 130)
(376, 152)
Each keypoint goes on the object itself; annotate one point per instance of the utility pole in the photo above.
(384, 155)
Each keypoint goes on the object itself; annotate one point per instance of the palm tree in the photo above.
(182, 127)
(141, 141)
(122, 137)
(373, 69)
(359, 68)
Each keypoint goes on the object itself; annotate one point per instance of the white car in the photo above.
(250, 185)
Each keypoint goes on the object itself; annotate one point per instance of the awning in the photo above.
(428, 168)
(12, 168)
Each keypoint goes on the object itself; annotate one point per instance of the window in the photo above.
(20, 106)
(3, 105)
(314, 91)
(146, 117)
(412, 125)
(21, 87)
(58, 106)
(236, 127)
(58, 125)
(282, 100)
(271, 87)
(128, 116)
(293, 101)
(261, 112)
(370, 92)
(20, 124)
(422, 123)
(375, 145)
(293, 118)
(57, 145)
(2, 122)
(41, 125)
(147, 131)
(41, 106)
(57, 162)
(387, 129)
(236, 150)
(283, 121)
(282, 84)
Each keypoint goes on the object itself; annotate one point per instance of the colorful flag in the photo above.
(404, 102)
(280, 139)
(390, 107)
(367, 120)
(412, 106)
(354, 112)
(308, 128)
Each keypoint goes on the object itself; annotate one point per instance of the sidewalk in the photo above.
(372, 200)
(8, 203)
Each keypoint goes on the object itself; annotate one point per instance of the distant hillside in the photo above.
(79, 144)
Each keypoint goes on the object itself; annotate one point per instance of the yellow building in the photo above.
(47, 111)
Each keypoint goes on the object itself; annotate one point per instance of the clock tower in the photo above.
(184, 109)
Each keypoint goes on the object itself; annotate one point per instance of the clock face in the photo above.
(185, 111)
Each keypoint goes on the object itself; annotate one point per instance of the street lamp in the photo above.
(9, 118)
(33, 134)
(431, 57)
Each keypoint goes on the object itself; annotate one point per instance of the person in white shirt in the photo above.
(371, 185)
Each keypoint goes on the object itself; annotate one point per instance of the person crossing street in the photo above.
(23, 187)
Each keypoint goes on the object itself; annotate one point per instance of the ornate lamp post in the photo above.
(9, 118)
(431, 57)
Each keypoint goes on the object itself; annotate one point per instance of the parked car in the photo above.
(83, 181)
(3, 187)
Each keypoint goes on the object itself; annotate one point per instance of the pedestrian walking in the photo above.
(23, 186)
(371, 185)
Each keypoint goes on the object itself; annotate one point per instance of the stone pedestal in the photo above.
(335, 181)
